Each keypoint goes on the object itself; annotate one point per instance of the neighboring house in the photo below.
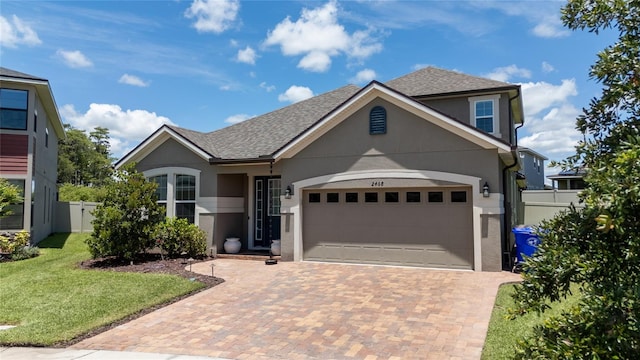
(532, 168)
(30, 127)
(568, 180)
(419, 171)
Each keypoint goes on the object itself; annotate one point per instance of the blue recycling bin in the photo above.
(526, 242)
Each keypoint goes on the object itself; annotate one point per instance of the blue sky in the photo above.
(131, 66)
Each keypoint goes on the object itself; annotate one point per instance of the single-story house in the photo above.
(417, 171)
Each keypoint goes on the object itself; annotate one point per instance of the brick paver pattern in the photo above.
(306, 310)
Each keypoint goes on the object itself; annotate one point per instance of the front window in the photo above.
(186, 197)
(161, 190)
(485, 114)
(13, 109)
(16, 219)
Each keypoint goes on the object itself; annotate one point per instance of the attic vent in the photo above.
(378, 121)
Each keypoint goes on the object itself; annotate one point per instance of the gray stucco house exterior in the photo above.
(30, 128)
(417, 171)
(532, 168)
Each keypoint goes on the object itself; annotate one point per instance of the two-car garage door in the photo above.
(426, 227)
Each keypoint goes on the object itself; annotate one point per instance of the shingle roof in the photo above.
(266, 134)
(16, 74)
(432, 81)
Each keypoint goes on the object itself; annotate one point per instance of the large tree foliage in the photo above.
(596, 248)
(125, 220)
(84, 159)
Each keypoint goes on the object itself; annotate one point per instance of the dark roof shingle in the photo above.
(432, 81)
(16, 74)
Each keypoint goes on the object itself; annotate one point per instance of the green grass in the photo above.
(503, 333)
(51, 300)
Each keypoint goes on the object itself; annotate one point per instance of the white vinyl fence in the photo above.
(544, 204)
(74, 216)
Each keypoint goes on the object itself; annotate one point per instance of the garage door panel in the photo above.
(413, 234)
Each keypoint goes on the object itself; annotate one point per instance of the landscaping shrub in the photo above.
(175, 236)
(25, 252)
(124, 222)
(11, 242)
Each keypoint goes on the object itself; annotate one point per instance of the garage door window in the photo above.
(333, 197)
(371, 197)
(351, 197)
(314, 197)
(435, 197)
(391, 197)
(458, 196)
(413, 196)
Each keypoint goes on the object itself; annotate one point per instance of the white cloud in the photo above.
(269, 88)
(213, 15)
(247, 56)
(506, 72)
(133, 80)
(15, 32)
(364, 76)
(126, 127)
(74, 59)
(318, 37)
(547, 68)
(541, 95)
(550, 118)
(234, 119)
(550, 27)
(295, 94)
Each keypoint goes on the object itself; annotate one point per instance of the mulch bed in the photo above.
(148, 263)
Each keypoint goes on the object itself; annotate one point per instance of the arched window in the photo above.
(378, 121)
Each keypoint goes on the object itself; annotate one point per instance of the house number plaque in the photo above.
(377, 183)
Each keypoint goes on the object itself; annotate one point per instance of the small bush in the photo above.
(175, 236)
(10, 242)
(25, 252)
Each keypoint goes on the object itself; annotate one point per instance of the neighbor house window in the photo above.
(378, 121)
(484, 113)
(13, 109)
(185, 197)
(14, 221)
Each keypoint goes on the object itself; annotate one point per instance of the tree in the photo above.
(9, 195)
(125, 220)
(596, 248)
(70, 192)
(84, 160)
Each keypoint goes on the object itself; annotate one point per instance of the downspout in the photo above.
(506, 251)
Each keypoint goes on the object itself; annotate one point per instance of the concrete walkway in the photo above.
(34, 353)
(305, 310)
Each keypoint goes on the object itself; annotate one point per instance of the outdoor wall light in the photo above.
(288, 192)
(485, 189)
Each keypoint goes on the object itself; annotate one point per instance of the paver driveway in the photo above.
(304, 310)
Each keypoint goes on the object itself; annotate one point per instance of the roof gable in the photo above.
(376, 89)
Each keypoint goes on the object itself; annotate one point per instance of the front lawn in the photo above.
(52, 301)
(503, 333)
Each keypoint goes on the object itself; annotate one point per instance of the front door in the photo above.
(267, 211)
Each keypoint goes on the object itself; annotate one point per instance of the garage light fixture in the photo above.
(288, 192)
(485, 189)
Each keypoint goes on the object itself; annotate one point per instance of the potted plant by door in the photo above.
(232, 245)
(275, 247)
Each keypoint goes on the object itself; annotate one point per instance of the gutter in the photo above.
(506, 226)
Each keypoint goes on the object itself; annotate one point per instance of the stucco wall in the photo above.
(410, 143)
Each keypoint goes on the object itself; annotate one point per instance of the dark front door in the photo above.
(267, 210)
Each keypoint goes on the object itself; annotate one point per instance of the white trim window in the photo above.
(485, 113)
(178, 191)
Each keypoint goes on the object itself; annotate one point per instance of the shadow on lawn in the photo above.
(55, 241)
